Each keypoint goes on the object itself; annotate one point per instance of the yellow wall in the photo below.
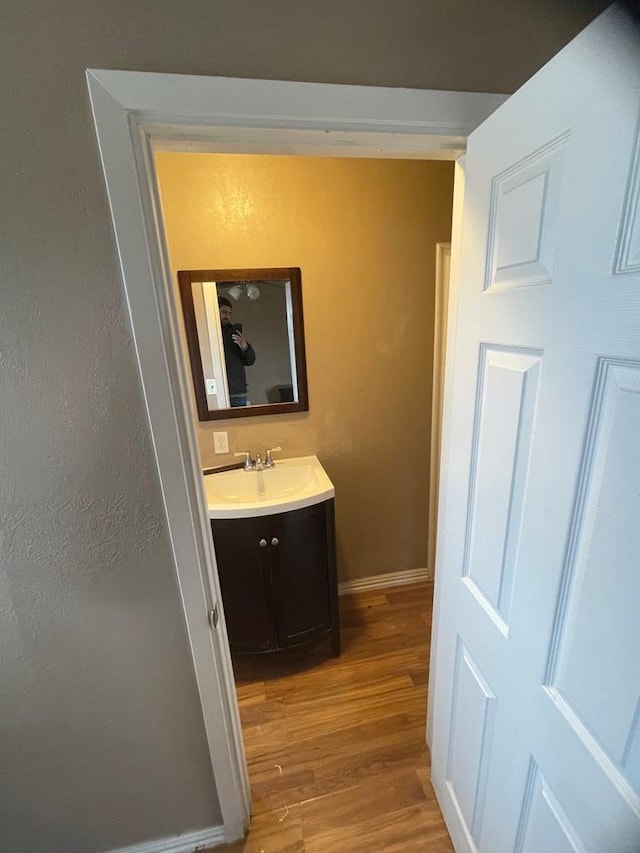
(363, 233)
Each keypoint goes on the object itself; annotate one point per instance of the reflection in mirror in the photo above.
(246, 341)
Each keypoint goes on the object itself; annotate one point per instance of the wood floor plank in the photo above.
(415, 829)
(386, 703)
(335, 746)
(357, 805)
(363, 601)
(276, 831)
(361, 670)
(255, 714)
(349, 741)
(343, 771)
(279, 788)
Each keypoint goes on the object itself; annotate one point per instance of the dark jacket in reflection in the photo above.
(236, 361)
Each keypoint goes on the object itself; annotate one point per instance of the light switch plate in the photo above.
(220, 442)
(212, 387)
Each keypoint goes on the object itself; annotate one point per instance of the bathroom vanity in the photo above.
(274, 536)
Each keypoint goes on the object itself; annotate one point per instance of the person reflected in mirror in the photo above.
(238, 354)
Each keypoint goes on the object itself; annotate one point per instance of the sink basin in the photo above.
(290, 484)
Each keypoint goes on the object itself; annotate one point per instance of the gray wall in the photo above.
(102, 742)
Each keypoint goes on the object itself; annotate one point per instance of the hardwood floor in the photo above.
(335, 746)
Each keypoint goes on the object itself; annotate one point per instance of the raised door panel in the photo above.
(628, 249)
(300, 568)
(504, 425)
(244, 571)
(594, 669)
(522, 217)
(544, 824)
(472, 721)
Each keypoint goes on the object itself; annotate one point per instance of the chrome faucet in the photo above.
(268, 461)
(249, 464)
(257, 464)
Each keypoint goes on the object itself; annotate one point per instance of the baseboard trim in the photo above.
(380, 581)
(187, 842)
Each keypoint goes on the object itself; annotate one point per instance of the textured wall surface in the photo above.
(364, 234)
(101, 738)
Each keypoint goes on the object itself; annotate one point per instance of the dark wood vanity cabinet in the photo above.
(278, 578)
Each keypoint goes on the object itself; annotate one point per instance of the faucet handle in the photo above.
(249, 464)
(268, 461)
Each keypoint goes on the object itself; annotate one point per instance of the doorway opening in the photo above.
(136, 112)
(364, 233)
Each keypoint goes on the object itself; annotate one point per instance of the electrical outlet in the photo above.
(220, 442)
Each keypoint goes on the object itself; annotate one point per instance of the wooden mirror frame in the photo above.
(186, 278)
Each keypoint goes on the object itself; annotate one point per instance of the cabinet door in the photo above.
(245, 580)
(300, 569)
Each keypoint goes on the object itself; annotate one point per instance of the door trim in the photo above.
(449, 332)
(443, 265)
(136, 113)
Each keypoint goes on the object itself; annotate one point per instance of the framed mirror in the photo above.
(245, 336)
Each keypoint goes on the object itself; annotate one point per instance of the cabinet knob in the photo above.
(263, 543)
(275, 541)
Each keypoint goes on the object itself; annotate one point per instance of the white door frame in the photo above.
(136, 113)
(449, 333)
(443, 264)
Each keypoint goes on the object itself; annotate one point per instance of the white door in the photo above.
(536, 676)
